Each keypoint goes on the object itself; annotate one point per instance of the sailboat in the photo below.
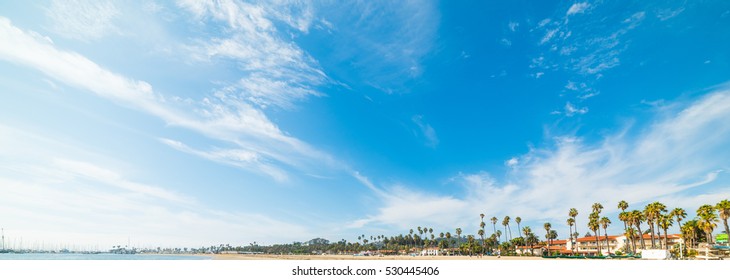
(3, 250)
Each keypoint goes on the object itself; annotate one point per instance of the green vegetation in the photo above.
(654, 215)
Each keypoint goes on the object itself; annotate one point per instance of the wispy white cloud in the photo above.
(639, 167)
(82, 19)
(426, 131)
(513, 25)
(55, 192)
(666, 14)
(385, 42)
(571, 110)
(577, 8)
(239, 157)
(548, 35)
(275, 70)
(578, 49)
(223, 116)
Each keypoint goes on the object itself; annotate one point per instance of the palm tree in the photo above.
(420, 234)
(448, 237)
(505, 223)
(458, 237)
(481, 233)
(689, 232)
(527, 231)
(665, 221)
(653, 211)
(623, 205)
(594, 226)
(494, 224)
(481, 230)
(679, 214)
(707, 221)
(605, 222)
(597, 207)
(630, 233)
(547, 227)
(650, 212)
(518, 220)
(723, 208)
(573, 213)
(623, 216)
(637, 217)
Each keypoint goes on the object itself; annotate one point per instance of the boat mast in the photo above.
(2, 231)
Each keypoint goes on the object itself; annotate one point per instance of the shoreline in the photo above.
(351, 257)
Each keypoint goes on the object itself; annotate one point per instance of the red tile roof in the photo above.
(600, 238)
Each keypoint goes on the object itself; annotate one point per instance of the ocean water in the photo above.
(13, 256)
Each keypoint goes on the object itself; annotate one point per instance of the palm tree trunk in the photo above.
(505, 233)
(598, 245)
(666, 245)
(641, 236)
(709, 236)
(633, 243)
(651, 232)
(605, 233)
(659, 234)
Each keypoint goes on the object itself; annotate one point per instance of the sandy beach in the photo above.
(350, 257)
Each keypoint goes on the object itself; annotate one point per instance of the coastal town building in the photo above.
(589, 246)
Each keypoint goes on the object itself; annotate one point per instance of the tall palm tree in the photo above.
(650, 212)
(594, 226)
(481, 233)
(505, 223)
(494, 224)
(707, 221)
(528, 231)
(689, 230)
(723, 208)
(655, 210)
(605, 222)
(665, 221)
(518, 220)
(448, 237)
(637, 217)
(661, 209)
(597, 207)
(623, 205)
(623, 216)
(410, 235)
(630, 233)
(574, 213)
(679, 214)
(458, 237)
(481, 230)
(547, 227)
(571, 223)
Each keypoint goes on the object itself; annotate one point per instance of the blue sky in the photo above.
(192, 123)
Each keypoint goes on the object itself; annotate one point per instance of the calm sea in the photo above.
(98, 257)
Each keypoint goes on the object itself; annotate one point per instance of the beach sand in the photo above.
(350, 257)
